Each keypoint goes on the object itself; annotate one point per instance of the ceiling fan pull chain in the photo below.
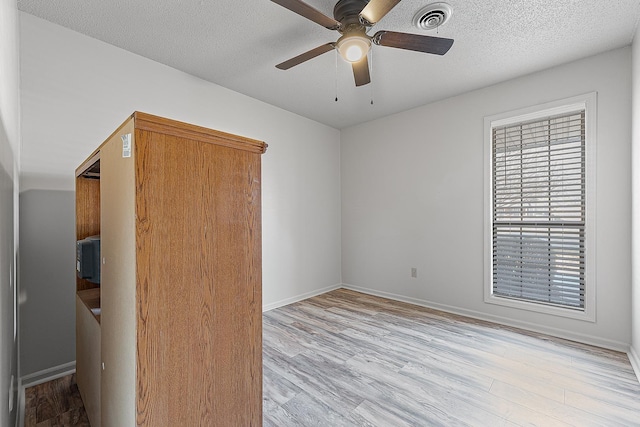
(336, 76)
(371, 54)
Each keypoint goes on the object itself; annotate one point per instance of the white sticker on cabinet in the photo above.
(126, 145)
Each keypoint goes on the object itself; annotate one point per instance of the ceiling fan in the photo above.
(352, 19)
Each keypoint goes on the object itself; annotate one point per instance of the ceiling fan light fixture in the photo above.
(353, 48)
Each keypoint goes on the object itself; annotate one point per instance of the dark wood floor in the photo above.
(349, 359)
(55, 403)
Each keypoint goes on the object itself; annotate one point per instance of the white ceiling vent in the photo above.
(432, 16)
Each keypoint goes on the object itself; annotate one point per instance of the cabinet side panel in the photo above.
(199, 283)
(118, 287)
(88, 361)
(87, 216)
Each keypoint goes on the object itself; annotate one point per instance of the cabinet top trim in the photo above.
(149, 122)
(144, 121)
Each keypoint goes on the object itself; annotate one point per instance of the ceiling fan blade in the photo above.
(375, 10)
(419, 43)
(305, 56)
(361, 72)
(309, 12)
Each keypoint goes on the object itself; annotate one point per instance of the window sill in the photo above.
(583, 315)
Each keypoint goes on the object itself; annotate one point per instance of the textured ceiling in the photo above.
(236, 44)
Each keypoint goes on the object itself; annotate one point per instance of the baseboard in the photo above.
(635, 361)
(300, 297)
(48, 374)
(560, 333)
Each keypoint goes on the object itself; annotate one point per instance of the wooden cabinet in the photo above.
(178, 337)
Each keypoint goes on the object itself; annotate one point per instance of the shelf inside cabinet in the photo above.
(91, 299)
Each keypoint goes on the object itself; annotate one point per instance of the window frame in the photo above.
(588, 102)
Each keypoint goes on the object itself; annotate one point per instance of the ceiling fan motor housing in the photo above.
(347, 11)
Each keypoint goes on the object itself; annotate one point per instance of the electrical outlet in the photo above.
(414, 272)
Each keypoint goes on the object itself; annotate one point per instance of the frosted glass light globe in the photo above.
(354, 48)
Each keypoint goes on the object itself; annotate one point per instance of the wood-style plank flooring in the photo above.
(350, 359)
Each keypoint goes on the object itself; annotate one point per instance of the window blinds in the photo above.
(539, 210)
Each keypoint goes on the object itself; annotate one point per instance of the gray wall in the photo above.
(47, 279)
(9, 161)
(9, 352)
(635, 165)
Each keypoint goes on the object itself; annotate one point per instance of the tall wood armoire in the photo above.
(172, 334)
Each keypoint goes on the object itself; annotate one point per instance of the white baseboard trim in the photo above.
(560, 333)
(635, 361)
(48, 374)
(300, 297)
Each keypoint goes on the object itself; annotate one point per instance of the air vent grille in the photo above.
(432, 16)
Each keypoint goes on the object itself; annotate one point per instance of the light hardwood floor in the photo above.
(349, 359)
(345, 358)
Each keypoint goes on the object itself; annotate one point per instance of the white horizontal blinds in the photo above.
(539, 210)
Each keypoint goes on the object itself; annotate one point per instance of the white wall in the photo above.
(412, 191)
(9, 161)
(412, 196)
(634, 354)
(76, 90)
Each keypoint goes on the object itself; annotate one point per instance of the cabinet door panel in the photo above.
(88, 361)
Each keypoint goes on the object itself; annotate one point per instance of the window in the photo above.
(539, 208)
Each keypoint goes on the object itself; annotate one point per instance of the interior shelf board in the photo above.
(91, 299)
